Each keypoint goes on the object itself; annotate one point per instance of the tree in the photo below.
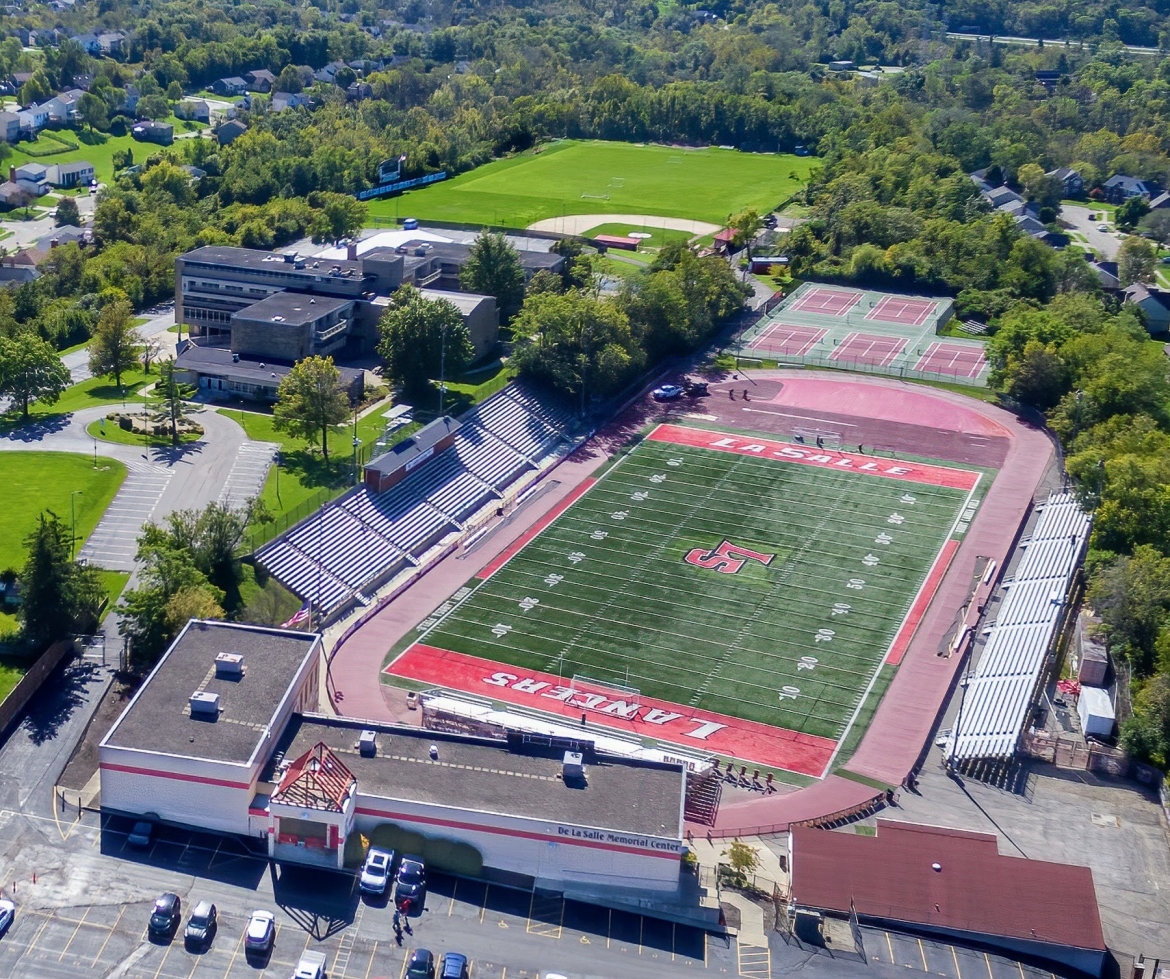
(1137, 261)
(59, 595)
(116, 342)
(289, 80)
(153, 107)
(311, 402)
(746, 225)
(94, 112)
(493, 269)
(337, 216)
(173, 396)
(1132, 596)
(31, 371)
(67, 213)
(1130, 212)
(1037, 376)
(151, 348)
(422, 339)
(1157, 225)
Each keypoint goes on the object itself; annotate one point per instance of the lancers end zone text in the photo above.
(742, 594)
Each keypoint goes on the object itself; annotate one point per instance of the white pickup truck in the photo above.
(310, 966)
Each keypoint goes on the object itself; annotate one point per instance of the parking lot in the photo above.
(88, 918)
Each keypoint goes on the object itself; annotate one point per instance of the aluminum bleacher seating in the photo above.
(365, 538)
(998, 698)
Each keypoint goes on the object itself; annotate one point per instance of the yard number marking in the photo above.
(658, 478)
(553, 579)
(909, 500)
(599, 534)
(824, 635)
(528, 603)
(727, 558)
(841, 609)
(788, 693)
(807, 663)
(870, 560)
(499, 630)
(883, 538)
(640, 496)
(620, 514)
(895, 518)
(674, 462)
(855, 583)
(576, 557)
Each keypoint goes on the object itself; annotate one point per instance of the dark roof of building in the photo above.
(292, 308)
(233, 126)
(975, 889)
(150, 125)
(158, 718)
(229, 257)
(411, 448)
(454, 251)
(221, 362)
(485, 776)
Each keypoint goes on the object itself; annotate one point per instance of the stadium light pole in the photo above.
(442, 369)
(73, 524)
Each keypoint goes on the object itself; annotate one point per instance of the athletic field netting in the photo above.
(872, 332)
(745, 591)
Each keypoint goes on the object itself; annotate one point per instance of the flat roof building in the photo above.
(220, 373)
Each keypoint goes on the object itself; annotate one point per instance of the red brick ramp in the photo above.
(764, 815)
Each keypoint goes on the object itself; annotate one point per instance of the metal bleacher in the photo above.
(365, 538)
(999, 696)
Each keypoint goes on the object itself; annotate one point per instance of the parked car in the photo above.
(201, 925)
(141, 834)
(1102, 227)
(260, 933)
(311, 966)
(411, 885)
(453, 966)
(7, 914)
(165, 916)
(420, 965)
(668, 392)
(377, 871)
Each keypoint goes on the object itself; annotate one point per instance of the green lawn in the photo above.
(88, 394)
(38, 481)
(793, 638)
(596, 177)
(111, 432)
(658, 236)
(113, 582)
(97, 148)
(9, 675)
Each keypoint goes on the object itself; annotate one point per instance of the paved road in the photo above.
(25, 233)
(161, 319)
(1050, 42)
(1104, 243)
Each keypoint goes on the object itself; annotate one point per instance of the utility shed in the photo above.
(1095, 708)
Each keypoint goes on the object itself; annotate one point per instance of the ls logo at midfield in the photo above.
(727, 558)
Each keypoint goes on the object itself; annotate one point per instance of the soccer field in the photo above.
(574, 177)
(710, 574)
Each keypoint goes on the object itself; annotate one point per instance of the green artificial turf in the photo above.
(617, 602)
(597, 177)
(38, 481)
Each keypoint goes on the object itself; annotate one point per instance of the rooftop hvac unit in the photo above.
(368, 744)
(229, 664)
(574, 767)
(204, 704)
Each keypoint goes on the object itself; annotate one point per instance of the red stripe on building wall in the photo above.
(921, 602)
(521, 834)
(523, 540)
(912, 472)
(154, 773)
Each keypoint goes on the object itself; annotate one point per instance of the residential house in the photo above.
(195, 109)
(33, 118)
(112, 43)
(63, 236)
(1074, 183)
(1161, 202)
(1154, 303)
(229, 131)
(131, 100)
(288, 100)
(83, 81)
(9, 127)
(997, 197)
(845, 65)
(67, 175)
(365, 66)
(149, 131)
(233, 85)
(1120, 188)
(32, 177)
(20, 77)
(89, 42)
(63, 107)
(359, 91)
(260, 80)
(1108, 275)
(12, 194)
(328, 74)
(1049, 79)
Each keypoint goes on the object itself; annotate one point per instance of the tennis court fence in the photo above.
(761, 357)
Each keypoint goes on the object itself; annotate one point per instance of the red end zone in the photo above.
(916, 472)
(648, 718)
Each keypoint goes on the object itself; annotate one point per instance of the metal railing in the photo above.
(759, 355)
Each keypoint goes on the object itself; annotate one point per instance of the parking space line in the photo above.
(483, 907)
(373, 955)
(988, 961)
(890, 946)
(451, 906)
(958, 971)
(1021, 967)
(74, 935)
(405, 959)
(755, 962)
(236, 952)
(922, 952)
(163, 960)
(113, 928)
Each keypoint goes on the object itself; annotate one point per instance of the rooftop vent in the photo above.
(204, 704)
(573, 770)
(368, 744)
(229, 664)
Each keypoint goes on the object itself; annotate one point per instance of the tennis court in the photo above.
(872, 332)
(782, 338)
(827, 302)
(903, 310)
(865, 348)
(953, 359)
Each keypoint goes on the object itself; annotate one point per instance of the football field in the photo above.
(741, 594)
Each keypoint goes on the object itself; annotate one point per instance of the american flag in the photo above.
(301, 616)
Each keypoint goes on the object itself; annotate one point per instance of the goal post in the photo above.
(587, 686)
